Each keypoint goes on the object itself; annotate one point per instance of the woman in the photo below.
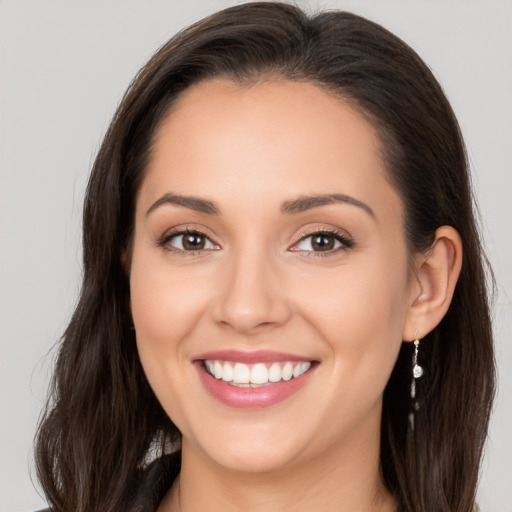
(284, 300)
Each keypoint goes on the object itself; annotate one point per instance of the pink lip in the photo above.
(259, 356)
(247, 397)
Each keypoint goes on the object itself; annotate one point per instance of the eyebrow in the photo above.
(304, 203)
(293, 206)
(193, 203)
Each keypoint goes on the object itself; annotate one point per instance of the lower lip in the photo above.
(251, 398)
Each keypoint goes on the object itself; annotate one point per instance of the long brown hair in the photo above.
(103, 422)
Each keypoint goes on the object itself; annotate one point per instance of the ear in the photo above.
(435, 275)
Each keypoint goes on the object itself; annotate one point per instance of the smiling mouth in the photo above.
(253, 380)
(255, 375)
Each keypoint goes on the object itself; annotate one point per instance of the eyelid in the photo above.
(163, 241)
(342, 236)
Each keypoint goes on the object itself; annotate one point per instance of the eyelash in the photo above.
(342, 238)
(339, 236)
(167, 237)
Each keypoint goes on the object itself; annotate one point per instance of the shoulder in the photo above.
(154, 482)
(151, 485)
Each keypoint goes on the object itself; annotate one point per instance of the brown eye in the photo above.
(322, 242)
(193, 242)
(189, 241)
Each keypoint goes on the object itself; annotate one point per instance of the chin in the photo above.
(253, 460)
(252, 449)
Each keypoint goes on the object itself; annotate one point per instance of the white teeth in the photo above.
(217, 370)
(274, 373)
(304, 367)
(287, 371)
(241, 374)
(227, 372)
(259, 374)
(301, 368)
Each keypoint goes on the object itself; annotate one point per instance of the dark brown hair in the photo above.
(103, 421)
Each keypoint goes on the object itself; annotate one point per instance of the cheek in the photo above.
(165, 304)
(359, 311)
(166, 309)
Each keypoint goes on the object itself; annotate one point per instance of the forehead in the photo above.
(268, 138)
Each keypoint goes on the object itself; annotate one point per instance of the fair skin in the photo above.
(332, 284)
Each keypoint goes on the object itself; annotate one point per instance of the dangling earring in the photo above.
(417, 372)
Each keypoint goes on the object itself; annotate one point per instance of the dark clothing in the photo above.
(152, 485)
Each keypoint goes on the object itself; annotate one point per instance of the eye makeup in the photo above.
(187, 241)
(326, 241)
(320, 241)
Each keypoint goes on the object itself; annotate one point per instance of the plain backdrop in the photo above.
(63, 68)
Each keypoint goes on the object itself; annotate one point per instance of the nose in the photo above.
(252, 294)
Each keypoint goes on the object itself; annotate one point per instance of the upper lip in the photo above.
(258, 356)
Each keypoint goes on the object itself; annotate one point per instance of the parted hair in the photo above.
(102, 422)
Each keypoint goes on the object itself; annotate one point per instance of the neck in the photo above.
(341, 479)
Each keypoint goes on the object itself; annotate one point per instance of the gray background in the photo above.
(63, 68)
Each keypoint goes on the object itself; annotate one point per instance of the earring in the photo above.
(417, 372)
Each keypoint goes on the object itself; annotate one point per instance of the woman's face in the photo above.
(269, 250)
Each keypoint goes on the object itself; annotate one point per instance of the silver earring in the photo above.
(417, 372)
